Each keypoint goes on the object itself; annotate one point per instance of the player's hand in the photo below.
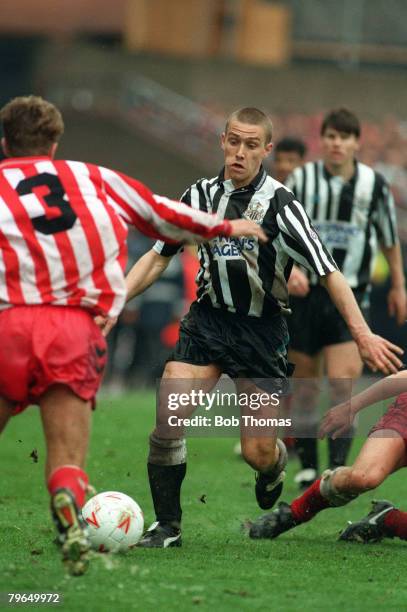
(378, 353)
(397, 304)
(337, 421)
(105, 323)
(298, 284)
(245, 227)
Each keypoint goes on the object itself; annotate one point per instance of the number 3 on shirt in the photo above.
(55, 198)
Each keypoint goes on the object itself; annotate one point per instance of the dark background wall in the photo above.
(109, 143)
(373, 92)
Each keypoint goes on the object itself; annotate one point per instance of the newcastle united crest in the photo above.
(255, 212)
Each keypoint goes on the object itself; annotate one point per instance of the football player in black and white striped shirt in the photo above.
(237, 324)
(289, 153)
(352, 209)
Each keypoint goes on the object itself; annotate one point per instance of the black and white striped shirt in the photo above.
(351, 217)
(239, 274)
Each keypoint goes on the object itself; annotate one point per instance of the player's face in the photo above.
(284, 163)
(338, 148)
(245, 147)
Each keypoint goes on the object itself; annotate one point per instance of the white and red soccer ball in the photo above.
(115, 521)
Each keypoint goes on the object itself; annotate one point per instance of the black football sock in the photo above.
(338, 451)
(307, 449)
(165, 485)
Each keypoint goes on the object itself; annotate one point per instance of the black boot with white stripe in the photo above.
(371, 528)
(161, 535)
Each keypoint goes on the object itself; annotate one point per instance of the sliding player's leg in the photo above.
(383, 521)
(378, 458)
(390, 434)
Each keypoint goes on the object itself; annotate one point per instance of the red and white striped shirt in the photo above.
(63, 229)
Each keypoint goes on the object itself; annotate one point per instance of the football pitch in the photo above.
(218, 567)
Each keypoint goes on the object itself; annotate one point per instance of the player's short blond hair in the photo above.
(252, 116)
(30, 125)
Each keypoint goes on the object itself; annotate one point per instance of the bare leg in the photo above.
(308, 371)
(344, 366)
(378, 457)
(382, 454)
(180, 378)
(342, 361)
(66, 421)
(259, 448)
(304, 409)
(260, 453)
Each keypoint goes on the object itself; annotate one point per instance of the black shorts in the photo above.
(242, 346)
(315, 321)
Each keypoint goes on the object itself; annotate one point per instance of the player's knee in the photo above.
(341, 388)
(365, 480)
(167, 452)
(357, 480)
(306, 394)
(335, 494)
(374, 478)
(260, 454)
(171, 370)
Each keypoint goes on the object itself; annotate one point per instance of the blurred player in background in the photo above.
(237, 325)
(289, 153)
(384, 452)
(353, 210)
(62, 255)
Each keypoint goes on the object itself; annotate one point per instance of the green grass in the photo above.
(218, 567)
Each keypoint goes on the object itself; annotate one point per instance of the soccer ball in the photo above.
(115, 521)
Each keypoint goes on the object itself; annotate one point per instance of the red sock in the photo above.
(311, 502)
(69, 477)
(395, 522)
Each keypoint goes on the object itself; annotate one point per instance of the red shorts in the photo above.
(394, 418)
(42, 345)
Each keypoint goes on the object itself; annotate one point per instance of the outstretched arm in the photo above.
(145, 272)
(339, 419)
(159, 217)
